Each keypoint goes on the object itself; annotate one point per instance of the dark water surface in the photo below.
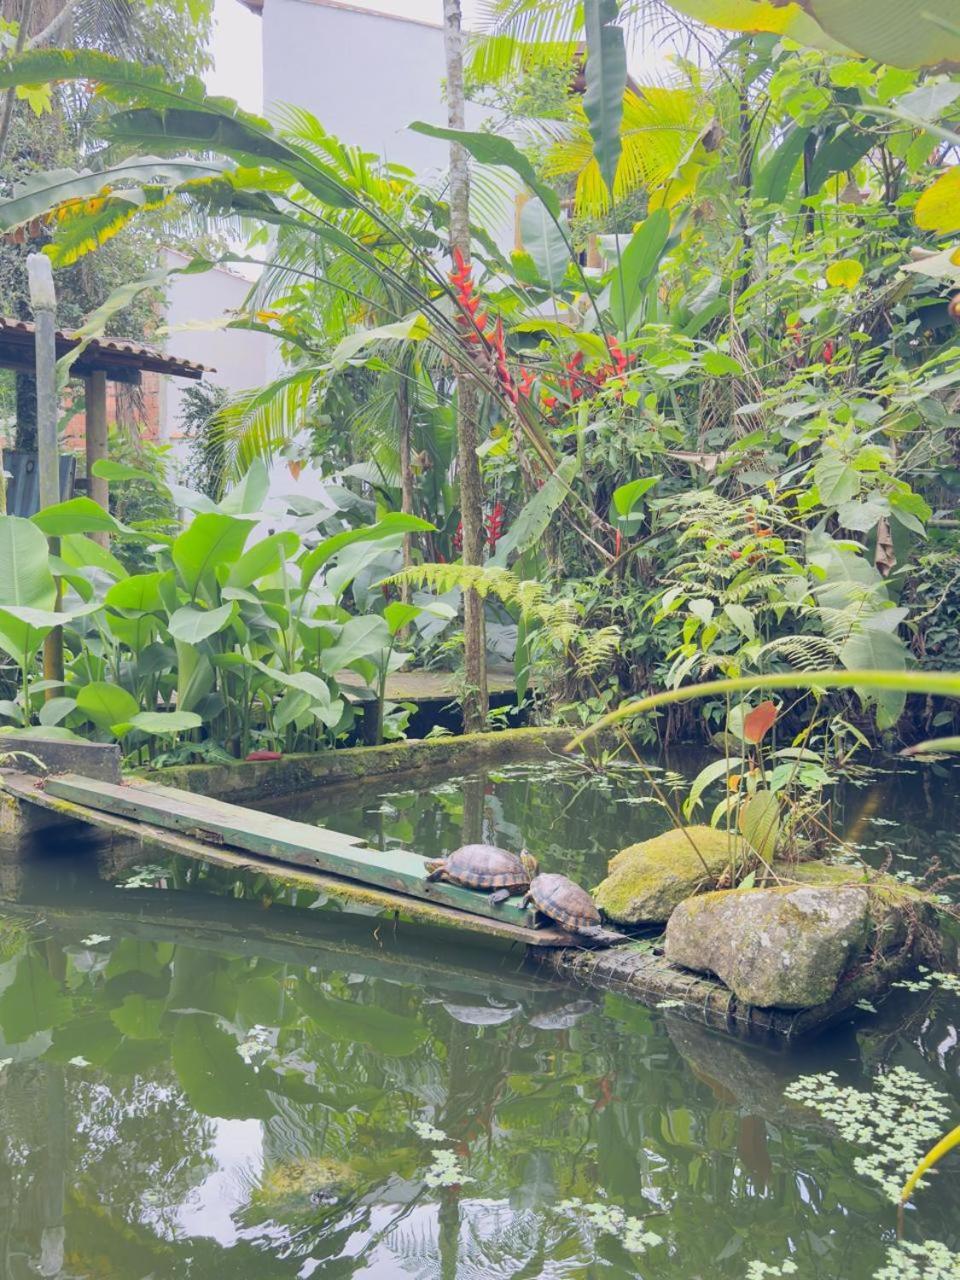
(208, 1077)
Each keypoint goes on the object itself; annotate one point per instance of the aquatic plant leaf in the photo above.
(759, 823)
(385, 1032)
(106, 704)
(758, 722)
(32, 1002)
(212, 1074)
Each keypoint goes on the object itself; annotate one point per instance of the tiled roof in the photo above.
(112, 355)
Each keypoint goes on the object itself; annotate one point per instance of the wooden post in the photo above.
(97, 448)
(43, 299)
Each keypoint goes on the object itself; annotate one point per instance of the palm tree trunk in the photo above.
(468, 399)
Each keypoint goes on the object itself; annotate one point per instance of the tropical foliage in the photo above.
(718, 371)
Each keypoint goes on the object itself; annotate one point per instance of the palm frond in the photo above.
(258, 423)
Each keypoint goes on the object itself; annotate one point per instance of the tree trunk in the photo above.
(406, 475)
(468, 399)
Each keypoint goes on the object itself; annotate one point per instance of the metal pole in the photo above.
(43, 299)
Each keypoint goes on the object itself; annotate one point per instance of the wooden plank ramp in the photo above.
(151, 837)
(281, 839)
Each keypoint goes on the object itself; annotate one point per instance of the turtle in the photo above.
(563, 901)
(484, 866)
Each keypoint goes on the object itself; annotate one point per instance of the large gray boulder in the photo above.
(783, 948)
(648, 880)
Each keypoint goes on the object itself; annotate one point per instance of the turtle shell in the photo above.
(559, 898)
(484, 866)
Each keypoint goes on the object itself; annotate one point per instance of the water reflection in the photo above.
(221, 1075)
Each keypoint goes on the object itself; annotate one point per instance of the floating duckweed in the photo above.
(144, 877)
(610, 1218)
(930, 1260)
(866, 1006)
(429, 1133)
(899, 1120)
(94, 939)
(759, 1270)
(669, 1004)
(946, 981)
(446, 1170)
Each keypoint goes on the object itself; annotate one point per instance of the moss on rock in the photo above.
(784, 948)
(893, 904)
(647, 881)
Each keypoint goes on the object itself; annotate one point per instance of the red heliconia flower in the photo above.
(828, 351)
(527, 379)
(495, 525)
(458, 537)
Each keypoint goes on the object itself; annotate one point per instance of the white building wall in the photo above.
(240, 360)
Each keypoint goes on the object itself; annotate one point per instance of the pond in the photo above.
(205, 1075)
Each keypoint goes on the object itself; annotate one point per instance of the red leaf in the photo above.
(263, 755)
(758, 722)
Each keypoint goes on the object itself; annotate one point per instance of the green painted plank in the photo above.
(270, 836)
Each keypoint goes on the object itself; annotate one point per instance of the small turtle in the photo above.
(484, 866)
(565, 902)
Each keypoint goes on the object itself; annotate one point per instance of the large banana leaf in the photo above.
(759, 16)
(25, 577)
(177, 117)
(39, 193)
(606, 80)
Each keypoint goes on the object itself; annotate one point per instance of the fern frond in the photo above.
(805, 653)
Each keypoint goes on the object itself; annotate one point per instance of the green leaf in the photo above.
(39, 192)
(79, 515)
(637, 266)
(106, 704)
(138, 1017)
(718, 364)
(626, 499)
(492, 148)
(545, 243)
(392, 1034)
(33, 1002)
(835, 478)
(215, 1079)
(606, 82)
(717, 769)
(160, 723)
(119, 472)
(25, 576)
(139, 593)
(394, 523)
(82, 552)
(366, 637)
(774, 177)
(869, 649)
(249, 493)
(263, 558)
(845, 273)
(55, 710)
(413, 328)
(212, 540)
(303, 681)
(530, 524)
(759, 823)
(742, 619)
(398, 614)
(889, 31)
(193, 625)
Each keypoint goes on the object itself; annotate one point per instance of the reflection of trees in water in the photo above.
(696, 1126)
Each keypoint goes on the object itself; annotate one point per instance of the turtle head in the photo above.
(529, 863)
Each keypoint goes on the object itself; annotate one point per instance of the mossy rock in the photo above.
(783, 948)
(893, 904)
(647, 881)
(294, 1187)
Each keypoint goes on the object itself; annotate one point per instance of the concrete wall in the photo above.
(364, 75)
(241, 360)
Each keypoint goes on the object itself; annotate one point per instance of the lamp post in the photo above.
(43, 300)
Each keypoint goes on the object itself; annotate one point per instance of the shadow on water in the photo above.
(205, 1072)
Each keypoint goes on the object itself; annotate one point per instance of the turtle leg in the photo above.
(435, 871)
(498, 896)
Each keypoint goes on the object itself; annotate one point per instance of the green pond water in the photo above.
(208, 1076)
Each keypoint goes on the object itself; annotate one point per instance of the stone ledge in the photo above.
(267, 779)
